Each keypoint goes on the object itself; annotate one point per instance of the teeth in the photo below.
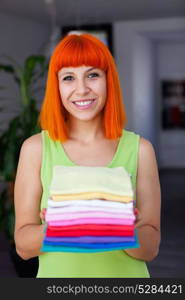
(84, 102)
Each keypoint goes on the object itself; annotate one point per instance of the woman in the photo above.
(82, 120)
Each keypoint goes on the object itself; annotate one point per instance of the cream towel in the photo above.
(81, 182)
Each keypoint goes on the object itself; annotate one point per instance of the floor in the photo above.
(170, 262)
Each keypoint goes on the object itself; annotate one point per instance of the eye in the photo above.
(68, 78)
(94, 74)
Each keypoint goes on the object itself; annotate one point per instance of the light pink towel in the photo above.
(87, 214)
(71, 209)
(112, 221)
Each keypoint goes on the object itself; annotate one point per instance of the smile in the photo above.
(84, 104)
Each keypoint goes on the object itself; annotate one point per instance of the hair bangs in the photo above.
(77, 52)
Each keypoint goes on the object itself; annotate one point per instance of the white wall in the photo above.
(144, 108)
(20, 37)
(138, 57)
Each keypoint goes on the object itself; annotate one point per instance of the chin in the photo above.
(85, 117)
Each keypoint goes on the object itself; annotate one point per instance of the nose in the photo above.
(82, 87)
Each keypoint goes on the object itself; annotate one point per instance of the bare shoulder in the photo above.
(34, 141)
(32, 148)
(147, 162)
(145, 146)
(146, 151)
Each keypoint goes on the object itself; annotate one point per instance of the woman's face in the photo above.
(83, 91)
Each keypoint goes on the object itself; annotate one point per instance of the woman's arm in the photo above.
(27, 194)
(148, 202)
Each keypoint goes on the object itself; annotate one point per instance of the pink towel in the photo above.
(87, 214)
(92, 221)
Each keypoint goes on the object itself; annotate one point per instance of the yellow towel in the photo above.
(92, 195)
(77, 182)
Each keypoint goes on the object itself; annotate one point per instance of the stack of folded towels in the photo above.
(90, 209)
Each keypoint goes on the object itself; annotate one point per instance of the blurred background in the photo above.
(147, 40)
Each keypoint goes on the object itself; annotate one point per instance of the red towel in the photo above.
(92, 227)
(89, 233)
(90, 230)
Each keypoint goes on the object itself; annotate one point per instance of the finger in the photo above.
(42, 213)
(136, 211)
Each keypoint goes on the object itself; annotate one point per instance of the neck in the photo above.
(86, 132)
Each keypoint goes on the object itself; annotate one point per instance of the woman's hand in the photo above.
(42, 214)
(138, 216)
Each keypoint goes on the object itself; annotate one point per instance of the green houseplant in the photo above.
(25, 124)
(19, 128)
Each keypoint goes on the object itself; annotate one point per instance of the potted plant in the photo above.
(19, 128)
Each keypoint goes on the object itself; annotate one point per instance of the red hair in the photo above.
(73, 51)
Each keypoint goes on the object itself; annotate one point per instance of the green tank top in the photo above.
(110, 264)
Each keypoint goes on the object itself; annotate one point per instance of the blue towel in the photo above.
(92, 239)
(81, 250)
(49, 248)
(90, 245)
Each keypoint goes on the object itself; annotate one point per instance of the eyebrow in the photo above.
(64, 73)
